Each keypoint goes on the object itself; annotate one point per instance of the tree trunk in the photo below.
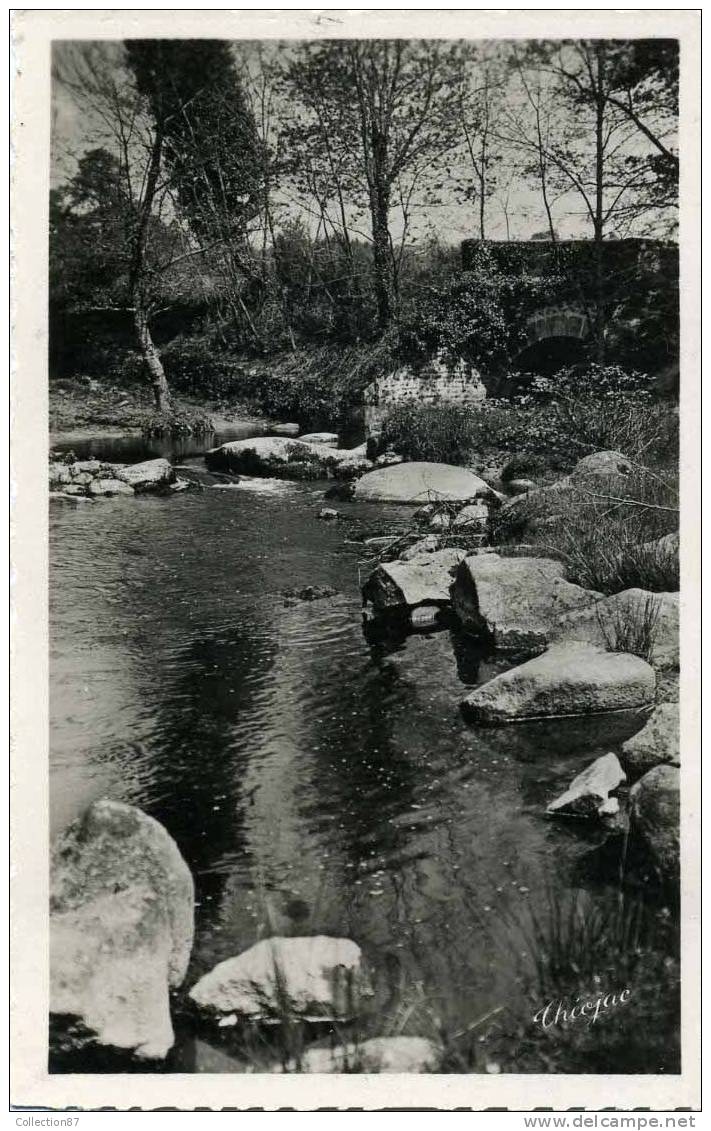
(151, 358)
(381, 259)
(599, 222)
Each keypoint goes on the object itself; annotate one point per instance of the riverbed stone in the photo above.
(109, 487)
(601, 465)
(514, 602)
(606, 621)
(425, 579)
(654, 819)
(326, 439)
(655, 744)
(150, 475)
(567, 680)
(376, 1055)
(420, 482)
(59, 473)
(426, 545)
(289, 428)
(473, 517)
(316, 978)
(269, 456)
(588, 793)
(121, 927)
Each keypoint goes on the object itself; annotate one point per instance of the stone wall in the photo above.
(434, 384)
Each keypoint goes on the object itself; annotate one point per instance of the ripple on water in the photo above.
(314, 782)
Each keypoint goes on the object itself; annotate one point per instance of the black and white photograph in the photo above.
(363, 378)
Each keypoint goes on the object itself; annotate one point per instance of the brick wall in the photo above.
(435, 384)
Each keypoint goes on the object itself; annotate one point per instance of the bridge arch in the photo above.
(556, 336)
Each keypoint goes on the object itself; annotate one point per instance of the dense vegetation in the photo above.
(231, 204)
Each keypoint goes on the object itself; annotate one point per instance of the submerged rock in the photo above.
(515, 603)
(589, 793)
(328, 514)
(567, 680)
(379, 1054)
(309, 593)
(657, 743)
(420, 482)
(654, 819)
(425, 579)
(315, 978)
(121, 927)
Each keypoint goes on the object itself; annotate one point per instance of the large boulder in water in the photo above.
(654, 819)
(567, 680)
(121, 927)
(317, 978)
(514, 603)
(269, 456)
(657, 743)
(419, 483)
(425, 579)
(150, 475)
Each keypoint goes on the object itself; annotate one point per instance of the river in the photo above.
(314, 782)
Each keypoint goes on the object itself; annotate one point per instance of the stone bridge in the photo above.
(640, 279)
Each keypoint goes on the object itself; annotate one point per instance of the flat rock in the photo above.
(419, 482)
(121, 926)
(425, 579)
(589, 792)
(654, 819)
(150, 475)
(607, 621)
(379, 1054)
(108, 487)
(657, 743)
(514, 602)
(327, 439)
(317, 978)
(567, 680)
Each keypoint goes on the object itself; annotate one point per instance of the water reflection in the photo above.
(314, 781)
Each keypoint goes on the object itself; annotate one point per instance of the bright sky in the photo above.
(516, 212)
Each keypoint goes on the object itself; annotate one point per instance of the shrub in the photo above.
(604, 534)
(577, 948)
(633, 629)
(434, 433)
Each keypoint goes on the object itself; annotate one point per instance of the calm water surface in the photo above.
(315, 783)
